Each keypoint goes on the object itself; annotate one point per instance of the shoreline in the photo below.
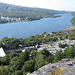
(54, 16)
(70, 28)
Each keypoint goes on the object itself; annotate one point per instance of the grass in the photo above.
(72, 26)
(58, 71)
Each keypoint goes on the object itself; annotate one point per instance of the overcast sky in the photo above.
(68, 5)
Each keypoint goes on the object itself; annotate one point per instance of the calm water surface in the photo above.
(25, 29)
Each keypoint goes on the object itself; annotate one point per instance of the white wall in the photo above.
(2, 53)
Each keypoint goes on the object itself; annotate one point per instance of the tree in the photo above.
(12, 54)
(50, 58)
(33, 54)
(5, 60)
(4, 70)
(61, 34)
(19, 72)
(69, 52)
(16, 63)
(25, 55)
(45, 52)
(40, 61)
(28, 66)
(58, 56)
(60, 45)
(71, 34)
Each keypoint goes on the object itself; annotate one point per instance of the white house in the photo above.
(2, 53)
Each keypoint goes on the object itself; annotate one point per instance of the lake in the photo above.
(26, 29)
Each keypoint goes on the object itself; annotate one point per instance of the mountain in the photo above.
(22, 12)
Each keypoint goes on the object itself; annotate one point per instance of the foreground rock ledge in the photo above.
(63, 67)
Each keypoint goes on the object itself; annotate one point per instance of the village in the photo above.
(12, 19)
(9, 19)
(52, 47)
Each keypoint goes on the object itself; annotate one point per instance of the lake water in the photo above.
(26, 29)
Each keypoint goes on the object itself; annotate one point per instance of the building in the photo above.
(20, 50)
(2, 53)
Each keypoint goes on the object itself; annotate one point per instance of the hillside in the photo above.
(63, 67)
(73, 19)
(73, 13)
(34, 62)
(26, 12)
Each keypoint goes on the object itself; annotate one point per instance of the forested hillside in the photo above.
(73, 20)
(73, 13)
(26, 12)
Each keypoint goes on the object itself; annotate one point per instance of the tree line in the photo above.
(13, 43)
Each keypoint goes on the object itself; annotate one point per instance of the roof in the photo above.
(2, 53)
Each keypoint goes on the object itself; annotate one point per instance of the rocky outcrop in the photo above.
(63, 67)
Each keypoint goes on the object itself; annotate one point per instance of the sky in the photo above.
(67, 5)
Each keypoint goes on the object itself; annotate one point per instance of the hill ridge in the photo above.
(22, 12)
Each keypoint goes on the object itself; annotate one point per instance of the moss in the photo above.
(72, 26)
(58, 71)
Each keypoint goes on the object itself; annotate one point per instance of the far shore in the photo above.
(54, 16)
